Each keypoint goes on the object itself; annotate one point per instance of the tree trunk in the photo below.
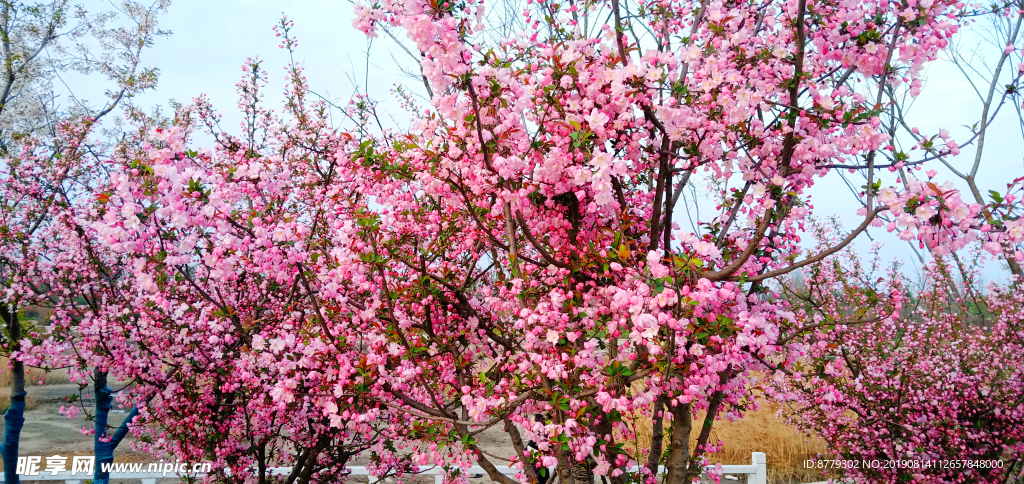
(517, 444)
(14, 419)
(679, 444)
(104, 451)
(658, 434)
(714, 405)
(605, 430)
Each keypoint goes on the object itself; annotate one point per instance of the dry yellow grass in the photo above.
(758, 431)
(31, 403)
(32, 375)
(32, 378)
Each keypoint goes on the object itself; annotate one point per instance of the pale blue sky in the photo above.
(212, 39)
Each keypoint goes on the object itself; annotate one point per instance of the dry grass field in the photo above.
(33, 377)
(758, 431)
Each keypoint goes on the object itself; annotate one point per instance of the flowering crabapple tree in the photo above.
(46, 154)
(993, 71)
(43, 189)
(933, 380)
(521, 236)
(932, 373)
(44, 40)
(205, 264)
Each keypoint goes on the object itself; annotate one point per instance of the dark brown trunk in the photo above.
(709, 421)
(311, 462)
(492, 472)
(10, 317)
(679, 444)
(300, 462)
(658, 434)
(564, 467)
(261, 460)
(482, 461)
(517, 443)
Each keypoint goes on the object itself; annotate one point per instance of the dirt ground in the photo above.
(47, 433)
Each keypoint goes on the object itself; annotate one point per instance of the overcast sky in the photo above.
(211, 40)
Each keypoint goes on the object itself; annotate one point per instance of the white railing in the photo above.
(756, 473)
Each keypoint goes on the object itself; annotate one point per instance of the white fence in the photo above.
(756, 473)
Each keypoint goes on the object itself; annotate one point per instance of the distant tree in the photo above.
(48, 157)
(932, 382)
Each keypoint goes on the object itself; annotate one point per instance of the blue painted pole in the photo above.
(104, 451)
(14, 420)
